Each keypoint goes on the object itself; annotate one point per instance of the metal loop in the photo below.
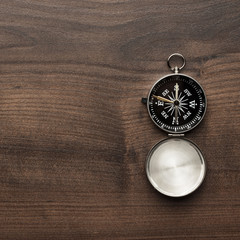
(176, 68)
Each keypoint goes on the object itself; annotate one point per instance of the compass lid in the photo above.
(175, 167)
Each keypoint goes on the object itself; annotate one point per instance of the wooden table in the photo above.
(75, 135)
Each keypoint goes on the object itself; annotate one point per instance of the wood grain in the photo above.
(74, 134)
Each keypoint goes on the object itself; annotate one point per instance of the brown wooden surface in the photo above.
(74, 134)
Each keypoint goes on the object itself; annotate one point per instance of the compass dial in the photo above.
(176, 103)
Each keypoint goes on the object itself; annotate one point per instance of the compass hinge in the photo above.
(176, 134)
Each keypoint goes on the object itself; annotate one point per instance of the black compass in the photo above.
(176, 103)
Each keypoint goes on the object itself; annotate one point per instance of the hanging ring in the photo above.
(176, 68)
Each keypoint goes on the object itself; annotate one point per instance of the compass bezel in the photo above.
(192, 126)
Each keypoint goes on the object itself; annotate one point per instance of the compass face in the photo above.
(176, 103)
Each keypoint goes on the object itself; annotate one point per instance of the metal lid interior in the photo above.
(175, 167)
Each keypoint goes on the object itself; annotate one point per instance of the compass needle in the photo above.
(162, 99)
(176, 114)
(176, 91)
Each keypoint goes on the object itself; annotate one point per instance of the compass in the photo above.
(176, 103)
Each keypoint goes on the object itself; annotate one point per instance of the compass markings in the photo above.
(189, 105)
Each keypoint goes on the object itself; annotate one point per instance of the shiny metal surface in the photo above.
(176, 69)
(175, 167)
